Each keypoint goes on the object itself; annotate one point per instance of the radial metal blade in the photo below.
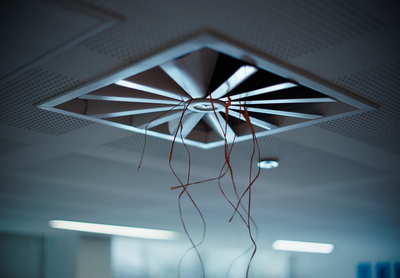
(254, 121)
(119, 93)
(283, 101)
(161, 118)
(193, 72)
(189, 121)
(279, 113)
(265, 90)
(238, 77)
(155, 81)
(218, 124)
(110, 109)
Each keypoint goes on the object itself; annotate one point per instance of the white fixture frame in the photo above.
(218, 44)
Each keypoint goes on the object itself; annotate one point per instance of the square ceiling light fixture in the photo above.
(198, 77)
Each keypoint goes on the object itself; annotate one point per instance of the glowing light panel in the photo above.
(113, 230)
(301, 246)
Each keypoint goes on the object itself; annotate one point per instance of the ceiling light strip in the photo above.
(113, 230)
(301, 246)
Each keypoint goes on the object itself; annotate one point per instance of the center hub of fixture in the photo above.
(206, 106)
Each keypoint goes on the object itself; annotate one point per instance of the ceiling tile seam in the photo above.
(57, 182)
(8, 146)
(76, 156)
(107, 20)
(317, 150)
(312, 6)
(41, 203)
(375, 22)
(125, 143)
(209, 23)
(331, 195)
(18, 143)
(82, 196)
(150, 50)
(183, 154)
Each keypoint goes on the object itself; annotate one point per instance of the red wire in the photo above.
(225, 168)
(146, 128)
(227, 151)
(184, 190)
(251, 182)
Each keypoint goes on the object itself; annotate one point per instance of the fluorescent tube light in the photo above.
(301, 246)
(113, 230)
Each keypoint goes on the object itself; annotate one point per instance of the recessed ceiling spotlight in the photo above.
(268, 164)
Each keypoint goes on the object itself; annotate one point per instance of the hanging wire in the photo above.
(226, 168)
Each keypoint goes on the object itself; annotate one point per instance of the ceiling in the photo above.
(337, 182)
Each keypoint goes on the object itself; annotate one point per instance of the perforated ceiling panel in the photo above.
(382, 126)
(87, 169)
(20, 96)
(284, 29)
(300, 165)
(317, 166)
(86, 161)
(162, 148)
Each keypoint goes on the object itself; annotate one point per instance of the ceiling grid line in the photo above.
(296, 158)
(280, 39)
(8, 146)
